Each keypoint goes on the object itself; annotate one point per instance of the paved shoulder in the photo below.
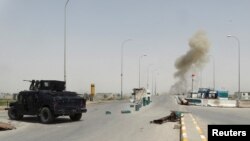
(190, 129)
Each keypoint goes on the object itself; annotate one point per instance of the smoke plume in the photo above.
(193, 60)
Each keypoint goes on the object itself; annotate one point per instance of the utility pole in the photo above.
(65, 8)
(122, 46)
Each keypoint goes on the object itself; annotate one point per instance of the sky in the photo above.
(32, 42)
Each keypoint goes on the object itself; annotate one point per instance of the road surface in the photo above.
(96, 125)
(217, 115)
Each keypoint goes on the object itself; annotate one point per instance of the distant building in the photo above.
(208, 94)
(6, 96)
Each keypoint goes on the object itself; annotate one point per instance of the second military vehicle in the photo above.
(47, 99)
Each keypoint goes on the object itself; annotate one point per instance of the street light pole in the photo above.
(238, 41)
(65, 42)
(192, 83)
(152, 91)
(156, 83)
(148, 75)
(122, 46)
(140, 69)
(201, 79)
(213, 72)
(153, 80)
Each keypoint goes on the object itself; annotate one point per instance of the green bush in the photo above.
(3, 102)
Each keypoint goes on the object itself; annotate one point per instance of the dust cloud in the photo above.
(192, 61)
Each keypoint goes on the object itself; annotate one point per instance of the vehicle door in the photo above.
(32, 101)
(20, 105)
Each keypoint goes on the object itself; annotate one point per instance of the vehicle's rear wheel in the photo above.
(46, 115)
(13, 114)
(76, 117)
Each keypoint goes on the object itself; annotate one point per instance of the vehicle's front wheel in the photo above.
(46, 115)
(76, 117)
(13, 114)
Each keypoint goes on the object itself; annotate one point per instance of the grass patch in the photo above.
(3, 102)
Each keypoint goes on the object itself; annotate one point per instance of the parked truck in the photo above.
(47, 99)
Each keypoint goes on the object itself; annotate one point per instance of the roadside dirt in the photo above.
(6, 126)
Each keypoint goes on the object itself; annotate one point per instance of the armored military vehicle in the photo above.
(47, 99)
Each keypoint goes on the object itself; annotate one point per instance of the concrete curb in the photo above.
(183, 130)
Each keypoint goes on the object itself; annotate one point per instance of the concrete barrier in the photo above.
(244, 103)
(182, 101)
(216, 102)
(221, 103)
(177, 100)
(204, 102)
(194, 101)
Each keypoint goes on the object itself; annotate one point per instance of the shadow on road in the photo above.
(35, 119)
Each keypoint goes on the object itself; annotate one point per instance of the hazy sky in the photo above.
(32, 41)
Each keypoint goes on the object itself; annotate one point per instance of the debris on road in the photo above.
(6, 126)
(125, 111)
(108, 112)
(183, 101)
(173, 117)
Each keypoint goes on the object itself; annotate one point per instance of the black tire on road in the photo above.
(46, 116)
(76, 117)
(13, 114)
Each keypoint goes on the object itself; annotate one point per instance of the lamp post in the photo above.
(193, 75)
(65, 42)
(122, 46)
(144, 55)
(156, 83)
(153, 71)
(238, 41)
(213, 72)
(201, 78)
(148, 75)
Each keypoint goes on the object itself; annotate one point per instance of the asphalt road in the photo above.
(216, 115)
(96, 125)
